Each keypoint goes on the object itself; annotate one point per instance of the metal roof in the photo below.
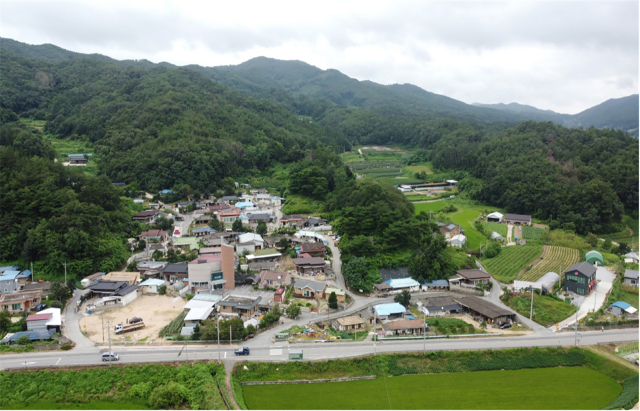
(152, 281)
(619, 304)
(207, 297)
(583, 268)
(594, 255)
(314, 285)
(631, 274)
(389, 309)
(484, 307)
(402, 283)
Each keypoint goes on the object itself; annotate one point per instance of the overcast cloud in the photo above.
(563, 56)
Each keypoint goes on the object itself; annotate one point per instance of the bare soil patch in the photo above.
(155, 310)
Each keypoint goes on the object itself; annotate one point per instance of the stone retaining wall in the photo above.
(369, 377)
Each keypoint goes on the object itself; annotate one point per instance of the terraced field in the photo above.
(511, 260)
(532, 233)
(497, 227)
(553, 259)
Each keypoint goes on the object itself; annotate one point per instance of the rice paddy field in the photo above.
(511, 260)
(492, 390)
(553, 259)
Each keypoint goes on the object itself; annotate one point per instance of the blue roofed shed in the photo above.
(32, 335)
(620, 307)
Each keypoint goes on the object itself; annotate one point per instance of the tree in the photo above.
(142, 245)
(59, 291)
(196, 332)
(623, 248)
(356, 272)
(293, 311)
(216, 224)
(333, 300)
(251, 329)
(172, 257)
(162, 290)
(483, 325)
(23, 340)
(71, 285)
(493, 249)
(164, 223)
(403, 298)
(592, 239)
(5, 320)
(261, 228)
(237, 226)
(607, 244)
(157, 255)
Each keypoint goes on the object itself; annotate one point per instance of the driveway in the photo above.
(71, 321)
(595, 300)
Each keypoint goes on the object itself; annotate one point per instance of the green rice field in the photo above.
(506, 265)
(497, 227)
(492, 390)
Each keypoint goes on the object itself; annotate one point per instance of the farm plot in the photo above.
(506, 265)
(553, 259)
(497, 227)
(532, 233)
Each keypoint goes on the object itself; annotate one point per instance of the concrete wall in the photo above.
(228, 266)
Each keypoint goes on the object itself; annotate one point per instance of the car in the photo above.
(135, 320)
(114, 356)
(242, 351)
(41, 306)
(505, 326)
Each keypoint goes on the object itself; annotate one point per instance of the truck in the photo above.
(242, 351)
(120, 329)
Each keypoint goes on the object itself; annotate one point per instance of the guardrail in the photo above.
(440, 336)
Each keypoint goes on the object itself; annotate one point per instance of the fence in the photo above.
(184, 290)
(439, 336)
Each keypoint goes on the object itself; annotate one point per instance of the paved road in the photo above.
(337, 263)
(318, 351)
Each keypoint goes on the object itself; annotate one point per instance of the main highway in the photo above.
(312, 351)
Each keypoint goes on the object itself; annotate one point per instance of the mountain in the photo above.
(619, 114)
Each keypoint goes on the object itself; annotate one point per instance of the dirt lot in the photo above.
(156, 311)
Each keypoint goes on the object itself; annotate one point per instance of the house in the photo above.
(594, 257)
(43, 286)
(309, 265)
(239, 305)
(9, 268)
(274, 279)
(197, 315)
(102, 289)
(436, 285)
(150, 269)
(458, 241)
(278, 296)
(405, 327)
(210, 250)
(19, 302)
(123, 296)
(484, 310)
(316, 249)
(256, 239)
(186, 243)
(619, 308)
(145, 216)
(90, 279)
(23, 277)
(202, 231)
(341, 295)
(631, 277)
(49, 319)
(495, 217)
(303, 235)
(218, 207)
(631, 258)
(292, 220)
(229, 199)
(580, 278)
(174, 272)
(78, 160)
(351, 323)
(243, 204)
(314, 222)
(151, 286)
(205, 273)
(266, 254)
(309, 289)
(255, 218)
(204, 219)
(228, 216)
(400, 284)
(153, 235)
(438, 306)
(130, 277)
(517, 219)
(390, 311)
(9, 282)
(450, 230)
(469, 278)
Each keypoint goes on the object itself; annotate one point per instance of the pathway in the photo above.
(509, 230)
(71, 321)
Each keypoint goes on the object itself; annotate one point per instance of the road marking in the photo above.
(225, 354)
(275, 352)
(58, 360)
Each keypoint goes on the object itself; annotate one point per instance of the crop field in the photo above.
(553, 259)
(465, 219)
(532, 233)
(497, 227)
(370, 166)
(514, 389)
(511, 260)
(426, 167)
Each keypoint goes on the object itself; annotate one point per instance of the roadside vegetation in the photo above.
(547, 310)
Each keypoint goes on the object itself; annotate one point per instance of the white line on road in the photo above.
(225, 354)
(58, 360)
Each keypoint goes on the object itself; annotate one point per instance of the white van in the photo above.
(114, 356)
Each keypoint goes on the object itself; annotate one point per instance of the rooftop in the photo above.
(583, 268)
(518, 217)
(402, 283)
(388, 309)
(351, 320)
(402, 325)
(484, 307)
(631, 274)
(152, 281)
(472, 274)
(314, 285)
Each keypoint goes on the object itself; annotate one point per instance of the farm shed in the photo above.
(152, 285)
(486, 310)
(619, 307)
(544, 284)
(594, 257)
(631, 277)
(49, 319)
(351, 323)
(518, 219)
(400, 327)
(436, 285)
(458, 241)
(497, 237)
(495, 217)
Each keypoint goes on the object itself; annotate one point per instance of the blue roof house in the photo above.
(389, 311)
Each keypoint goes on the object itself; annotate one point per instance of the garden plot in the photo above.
(155, 310)
(553, 259)
(497, 227)
(506, 265)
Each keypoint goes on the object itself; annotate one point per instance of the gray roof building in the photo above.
(314, 285)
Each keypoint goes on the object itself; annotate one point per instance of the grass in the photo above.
(497, 227)
(553, 259)
(532, 233)
(630, 298)
(506, 265)
(426, 167)
(626, 236)
(91, 405)
(301, 205)
(517, 389)
(465, 219)
(546, 310)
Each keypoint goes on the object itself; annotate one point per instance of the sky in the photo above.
(564, 56)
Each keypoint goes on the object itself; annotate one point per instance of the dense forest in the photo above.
(52, 214)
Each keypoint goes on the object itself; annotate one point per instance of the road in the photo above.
(318, 351)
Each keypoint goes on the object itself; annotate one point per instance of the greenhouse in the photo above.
(594, 257)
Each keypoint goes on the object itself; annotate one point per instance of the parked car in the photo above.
(242, 351)
(41, 306)
(505, 326)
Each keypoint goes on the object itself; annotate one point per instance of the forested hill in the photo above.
(161, 127)
(616, 113)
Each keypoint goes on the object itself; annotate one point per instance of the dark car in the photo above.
(242, 351)
(41, 306)
(505, 326)
(135, 320)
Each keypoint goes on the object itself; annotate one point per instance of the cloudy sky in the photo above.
(560, 55)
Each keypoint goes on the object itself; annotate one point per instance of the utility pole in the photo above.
(102, 317)
(375, 331)
(65, 271)
(531, 311)
(230, 336)
(218, 327)
(576, 335)
(109, 334)
(32, 279)
(424, 335)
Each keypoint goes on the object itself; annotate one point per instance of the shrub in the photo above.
(66, 347)
(169, 395)
(141, 390)
(628, 397)
(162, 290)
(23, 340)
